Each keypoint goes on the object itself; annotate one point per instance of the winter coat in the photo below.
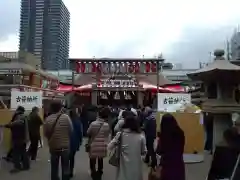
(98, 138)
(76, 135)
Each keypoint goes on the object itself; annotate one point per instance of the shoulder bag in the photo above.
(91, 139)
(49, 136)
(115, 156)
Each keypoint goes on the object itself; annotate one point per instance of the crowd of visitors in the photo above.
(127, 134)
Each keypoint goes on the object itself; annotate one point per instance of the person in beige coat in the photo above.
(98, 132)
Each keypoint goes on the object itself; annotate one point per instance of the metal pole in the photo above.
(235, 168)
(97, 81)
(158, 71)
(73, 79)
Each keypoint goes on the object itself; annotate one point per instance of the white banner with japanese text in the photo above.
(26, 99)
(165, 100)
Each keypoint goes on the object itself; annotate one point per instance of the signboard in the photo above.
(118, 82)
(169, 99)
(26, 99)
(10, 71)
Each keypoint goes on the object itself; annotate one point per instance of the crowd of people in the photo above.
(132, 131)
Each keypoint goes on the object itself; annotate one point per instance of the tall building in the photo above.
(235, 46)
(44, 32)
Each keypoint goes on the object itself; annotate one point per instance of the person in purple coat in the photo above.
(171, 147)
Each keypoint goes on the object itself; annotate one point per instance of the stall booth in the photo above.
(189, 118)
(26, 85)
(23, 77)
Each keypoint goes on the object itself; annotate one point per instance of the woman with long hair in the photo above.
(171, 147)
(132, 148)
(76, 138)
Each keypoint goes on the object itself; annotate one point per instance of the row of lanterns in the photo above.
(116, 67)
(104, 95)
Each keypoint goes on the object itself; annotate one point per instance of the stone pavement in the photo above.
(40, 170)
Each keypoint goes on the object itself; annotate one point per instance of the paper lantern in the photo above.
(78, 67)
(83, 68)
(94, 67)
(137, 68)
(99, 68)
(147, 67)
(130, 68)
(117, 96)
(153, 67)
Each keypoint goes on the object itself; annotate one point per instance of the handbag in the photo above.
(49, 135)
(90, 140)
(114, 159)
(154, 174)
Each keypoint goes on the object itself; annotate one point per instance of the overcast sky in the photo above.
(184, 31)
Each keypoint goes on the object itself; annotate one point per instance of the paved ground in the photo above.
(40, 169)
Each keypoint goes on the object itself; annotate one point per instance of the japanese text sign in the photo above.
(26, 99)
(168, 99)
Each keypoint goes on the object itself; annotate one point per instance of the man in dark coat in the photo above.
(150, 133)
(19, 131)
(34, 124)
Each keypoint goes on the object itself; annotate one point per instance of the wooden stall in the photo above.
(6, 116)
(191, 124)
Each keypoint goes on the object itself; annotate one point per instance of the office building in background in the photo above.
(44, 32)
(235, 46)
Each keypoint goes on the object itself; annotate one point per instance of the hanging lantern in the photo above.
(130, 68)
(99, 68)
(129, 97)
(103, 95)
(117, 96)
(83, 68)
(154, 67)
(147, 67)
(125, 95)
(86, 67)
(137, 68)
(94, 67)
(78, 67)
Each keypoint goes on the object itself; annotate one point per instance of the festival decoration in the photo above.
(94, 67)
(147, 67)
(117, 96)
(153, 67)
(130, 68)
(137, 68)
(78, 67)
(83, 68)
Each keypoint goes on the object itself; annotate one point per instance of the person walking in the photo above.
(98, 133)
(34, 124)
(132, 148)
(58, 129)
(170, 148)
(76, 138)
(150, 133)
(19, 131)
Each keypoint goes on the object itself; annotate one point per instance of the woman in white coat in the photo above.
(132, 149)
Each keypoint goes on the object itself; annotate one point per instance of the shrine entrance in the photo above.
(118, 98)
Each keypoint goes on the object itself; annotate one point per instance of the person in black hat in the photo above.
(18, 126)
